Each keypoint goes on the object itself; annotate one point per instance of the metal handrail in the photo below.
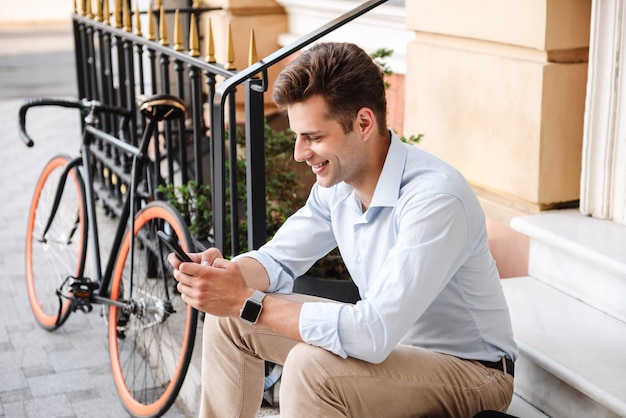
(261, 66)
(228, 87)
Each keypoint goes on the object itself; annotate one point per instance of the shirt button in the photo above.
(358, 259)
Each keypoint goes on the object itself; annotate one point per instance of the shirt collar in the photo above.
(388, 187)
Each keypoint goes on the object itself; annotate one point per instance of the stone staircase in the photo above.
(569, 315)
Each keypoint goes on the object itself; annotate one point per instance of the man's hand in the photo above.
(220, 287)
(211, 284)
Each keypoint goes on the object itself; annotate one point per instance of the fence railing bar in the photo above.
(255, 173)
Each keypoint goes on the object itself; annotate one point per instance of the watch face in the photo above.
(251, 311)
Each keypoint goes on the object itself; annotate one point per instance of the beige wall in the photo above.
(543, 25)
(498, 89)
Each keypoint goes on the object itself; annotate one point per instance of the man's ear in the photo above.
(366, 122)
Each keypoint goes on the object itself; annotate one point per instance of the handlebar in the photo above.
(82, 104)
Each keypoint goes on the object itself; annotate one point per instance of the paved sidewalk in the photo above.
(65, 373)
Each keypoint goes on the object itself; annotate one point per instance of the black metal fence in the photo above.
(119, 58)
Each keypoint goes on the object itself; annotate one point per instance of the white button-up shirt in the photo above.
(419, 256)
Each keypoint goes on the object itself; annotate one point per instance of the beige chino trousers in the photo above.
(411, 382)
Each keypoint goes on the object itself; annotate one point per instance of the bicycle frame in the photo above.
(150, 354)
(139, 160)
(126, 220)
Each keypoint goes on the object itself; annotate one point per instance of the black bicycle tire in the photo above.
(50, 317)
(135, 398)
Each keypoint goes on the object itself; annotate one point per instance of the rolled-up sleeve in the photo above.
(303, 239)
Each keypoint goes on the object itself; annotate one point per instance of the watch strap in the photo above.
(257, 296)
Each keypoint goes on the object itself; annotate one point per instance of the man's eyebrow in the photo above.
(310, 133)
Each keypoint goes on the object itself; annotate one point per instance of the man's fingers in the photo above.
(173, 260)
(221, 263)
(180, 276)
(210, 255)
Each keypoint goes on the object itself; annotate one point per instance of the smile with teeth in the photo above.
(320, 165)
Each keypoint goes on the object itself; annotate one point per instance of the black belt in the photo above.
(500, 365)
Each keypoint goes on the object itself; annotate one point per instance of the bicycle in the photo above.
(151, 332)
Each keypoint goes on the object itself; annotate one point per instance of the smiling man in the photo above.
(431, 335)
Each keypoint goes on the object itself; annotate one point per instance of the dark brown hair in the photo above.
(343, 74)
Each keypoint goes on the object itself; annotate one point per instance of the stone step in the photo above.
(572, 356)
(522, 409)
(519, 408)
(582, 256)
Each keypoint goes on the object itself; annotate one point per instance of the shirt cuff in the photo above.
(280, 281)
(319, 323)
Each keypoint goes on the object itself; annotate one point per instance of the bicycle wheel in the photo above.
(152, 338)
(60, 254)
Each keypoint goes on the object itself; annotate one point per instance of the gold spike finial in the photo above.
(178, 33)
(128, 27)
(194, 49)
(210, 45)
(88, 11)
(252, 56)
(230, 62)
(98, 11)
(151, 33)
(157, 5)
(106, 12)
(163, 28)
(75, 7)
(195, 4)
(83, 7)
(137, 20)
(118, 13)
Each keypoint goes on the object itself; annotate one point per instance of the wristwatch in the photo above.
(252, 307)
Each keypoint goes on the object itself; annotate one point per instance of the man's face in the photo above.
(321, 142)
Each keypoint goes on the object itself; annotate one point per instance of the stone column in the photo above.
(498, 90)
(603, 180)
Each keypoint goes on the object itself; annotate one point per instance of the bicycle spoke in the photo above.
(52, 258)
(150, 341)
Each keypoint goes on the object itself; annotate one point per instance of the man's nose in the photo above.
(301, 150)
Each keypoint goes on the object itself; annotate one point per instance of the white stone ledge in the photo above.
(581, 256)
(576, 343)
(595, 240)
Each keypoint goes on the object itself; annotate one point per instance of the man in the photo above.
(431, 335)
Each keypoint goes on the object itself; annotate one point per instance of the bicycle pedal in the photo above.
(83, 286)
(82, 291)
